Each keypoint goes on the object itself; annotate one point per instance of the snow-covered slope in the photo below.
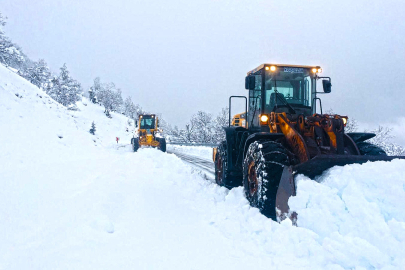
(71, 203)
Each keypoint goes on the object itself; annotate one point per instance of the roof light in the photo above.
(271, 68)
(319, 70)
(314, 70)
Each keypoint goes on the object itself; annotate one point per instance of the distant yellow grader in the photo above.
(148, 133)
(239, 120)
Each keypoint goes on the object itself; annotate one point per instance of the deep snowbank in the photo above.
(71, 203)
(359, 207)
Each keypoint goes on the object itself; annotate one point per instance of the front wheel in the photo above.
(220, 164)
(262, 170)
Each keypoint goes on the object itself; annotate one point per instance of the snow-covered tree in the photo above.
(117, 101)
(189, 134)
(10, 53)
(202, 124)
(37, 73)
(130, 109)
(105, 97)
(108, 95)
(93, 128)
(64, 89)
(95, 90)
(218, 125)
(383, 139)
(202, 128)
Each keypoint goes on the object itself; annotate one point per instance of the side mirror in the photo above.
(327, 86)
(250, 82)
(136, 123)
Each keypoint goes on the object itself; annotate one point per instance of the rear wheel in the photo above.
(135, 144)
(369, 149)
(262, 170)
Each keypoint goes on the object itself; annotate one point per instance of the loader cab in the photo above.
(281, 88)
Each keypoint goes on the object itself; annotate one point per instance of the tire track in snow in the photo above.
(206, 165)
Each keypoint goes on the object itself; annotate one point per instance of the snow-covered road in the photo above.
(205, 165)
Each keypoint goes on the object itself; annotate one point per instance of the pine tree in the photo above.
(108, 114)
(92, 96)
(37, 73)
(95, 90)
(93, 128)
(65, 90)
(10, 53)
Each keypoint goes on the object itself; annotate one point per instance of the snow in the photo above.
(72, 200)
(199, 151)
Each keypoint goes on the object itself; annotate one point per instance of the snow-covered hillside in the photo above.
(71, 200)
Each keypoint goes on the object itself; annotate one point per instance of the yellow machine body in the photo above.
(284, 137)
(147, 128)
(146, 135)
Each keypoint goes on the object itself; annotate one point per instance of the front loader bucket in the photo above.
(312, 168)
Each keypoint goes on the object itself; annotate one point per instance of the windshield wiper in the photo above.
(282, 99)
(254, 111)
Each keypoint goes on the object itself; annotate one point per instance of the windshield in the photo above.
(288, 85)
(147, 123)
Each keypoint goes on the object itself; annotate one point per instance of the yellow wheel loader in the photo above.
(286, 136)
(148, 133)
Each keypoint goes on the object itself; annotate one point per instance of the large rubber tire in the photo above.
(222, 176)
(162, 146)
(135, 144)
(262, 169)
(369, 149)
(220, 164)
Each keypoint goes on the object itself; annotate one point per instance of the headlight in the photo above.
(264, 118)
(344, 121)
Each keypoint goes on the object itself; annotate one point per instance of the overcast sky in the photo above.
(178, 57)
